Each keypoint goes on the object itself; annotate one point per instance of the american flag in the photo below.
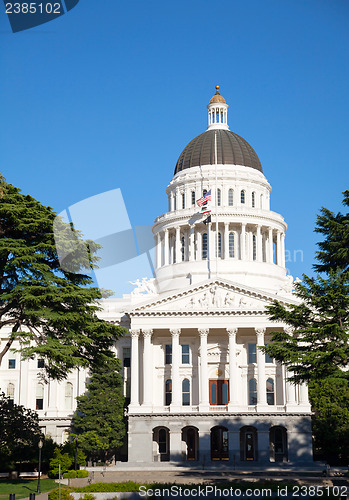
(204, 199)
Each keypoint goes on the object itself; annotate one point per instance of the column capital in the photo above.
(260, 333)
(203, 332)
(135, 333)
(175, 332)
(147, 333)
(232, 332)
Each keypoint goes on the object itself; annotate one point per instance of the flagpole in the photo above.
(216, 198)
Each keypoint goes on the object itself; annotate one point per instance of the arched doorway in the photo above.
(219, 443)
(161, 444)
(278, 444)
(190, 435)
(248, 443)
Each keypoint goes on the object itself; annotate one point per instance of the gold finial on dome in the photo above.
(217, 97)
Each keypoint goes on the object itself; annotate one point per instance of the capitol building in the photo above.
(199, 388)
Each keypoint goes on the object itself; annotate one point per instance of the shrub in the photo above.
(65, 495)
(81, 473)
(88, 496)
(59, 458)
(71, 474)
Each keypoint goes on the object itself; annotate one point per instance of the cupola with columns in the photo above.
(244, 239)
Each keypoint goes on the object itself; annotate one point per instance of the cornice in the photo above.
(219, 414)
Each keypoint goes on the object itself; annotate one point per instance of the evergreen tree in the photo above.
(317, 342)
(51, 310)
(99, 419)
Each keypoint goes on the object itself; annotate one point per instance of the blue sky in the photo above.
(108, 95)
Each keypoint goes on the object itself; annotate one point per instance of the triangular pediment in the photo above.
(219, 296)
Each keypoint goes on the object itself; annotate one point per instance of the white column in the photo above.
(290, 392)
(192, 244)
(204, 401)
(166, 248)
(259, 244)
(226, 240)
(243, 242)
(303, 394)
(147, 368)
(271, 247)
(278, 248)
(176, 385)
(158, 251)
(233, 370)
(186, 246)
(283, 249)
(134, 368)
(261, 379)
(178, 245)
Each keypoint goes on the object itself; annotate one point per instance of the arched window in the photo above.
(230, 197)
(270, 392)
(162, 441)
(252, 391)
(231, 245)
(168, 392)
(254, 247)
(39, 397)
(183, 200)
(185, 392)
(193, 198)
(219, 198)
(183, 248)
(11, 392)
(69, 396)
(253, 199)
(204, 246)
(278, 444)
(242, 196)
(219, 245)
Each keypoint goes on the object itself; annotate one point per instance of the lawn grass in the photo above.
(22, 487)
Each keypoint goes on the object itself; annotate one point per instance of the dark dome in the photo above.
(231, 150)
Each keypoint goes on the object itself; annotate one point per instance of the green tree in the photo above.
(330, 402)
(317, 343)
(48, 305)
(19, 432)
(99, 420)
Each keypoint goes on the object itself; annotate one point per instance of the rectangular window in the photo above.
(268, 359)
(39, 403)
(168, 354)
(183, 200)
(185, 354)
(126, 355)
(12, 364)
(193, 198)
(41, 363)
(252, 353)
(219, 392)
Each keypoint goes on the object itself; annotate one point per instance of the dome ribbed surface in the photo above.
(231, 150)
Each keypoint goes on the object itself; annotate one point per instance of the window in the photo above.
(39, 397)
(270, 392)
(183, 200)
(183, 248)
(204, 246)
(231, 245)
(219, 390)
(242, 196)
(126, 356)
(252, 391)
(253, 199)
(10, 393)
(69, 396)
(41, 363)
(252, 353)
(168, 354)
(174, 202)
(219, 245)
(185, 392)
(168, 392)
(230, 197)
(254, 247)
(261, 201)
(219, 198)
(162, 441)
(268, 359)
(193, 201)
(11, 364)
(185, 354)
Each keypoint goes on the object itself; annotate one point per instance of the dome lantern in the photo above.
(217, 112)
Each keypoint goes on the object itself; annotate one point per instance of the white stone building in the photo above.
(199, 387)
